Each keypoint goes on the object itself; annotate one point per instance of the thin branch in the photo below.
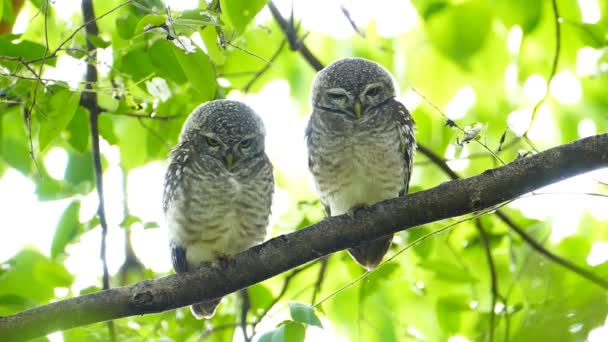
(265, 68)
(351, 21)
(282, 293)
(554, 63)
(151, 116)
(69, 38)
(294, 42)
(320, 279)
(553, 257)
(505, 219)
(89, 101)
(450, 199)
(245, 306)
(493, 280)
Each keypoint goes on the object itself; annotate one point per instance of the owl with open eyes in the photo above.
(218, 188)
(360, 143)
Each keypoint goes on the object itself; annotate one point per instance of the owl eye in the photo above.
(246, 143)
(212, 142)
(373, 91)
(336, 96)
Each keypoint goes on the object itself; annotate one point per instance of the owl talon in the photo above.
(352, 212)
(223, 261)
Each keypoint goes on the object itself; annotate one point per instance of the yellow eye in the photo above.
(246, 143)
(212, 142)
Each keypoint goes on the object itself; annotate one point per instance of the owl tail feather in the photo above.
(205, 310)
(370, 254)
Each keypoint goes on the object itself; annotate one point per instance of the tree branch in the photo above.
(89, 101)
(295, 43)
(332, 234)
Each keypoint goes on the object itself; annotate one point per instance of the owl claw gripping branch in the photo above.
(218, 188)
(360, 143)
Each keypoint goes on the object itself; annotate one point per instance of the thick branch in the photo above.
(333, 234)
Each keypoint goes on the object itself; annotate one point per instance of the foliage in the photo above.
(164, 63)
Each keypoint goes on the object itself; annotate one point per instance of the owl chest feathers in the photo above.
(219, 213)
(361, 167)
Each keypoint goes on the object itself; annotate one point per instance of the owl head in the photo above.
(352, 87)
(229, 131)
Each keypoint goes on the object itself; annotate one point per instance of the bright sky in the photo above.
(285, 124)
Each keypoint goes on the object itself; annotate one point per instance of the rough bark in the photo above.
(282, 253)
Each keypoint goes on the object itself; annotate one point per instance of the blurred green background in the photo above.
(491, 69)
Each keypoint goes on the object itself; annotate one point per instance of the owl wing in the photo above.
(173, 178)
(178, 160)
(407, 126)
(308, 137)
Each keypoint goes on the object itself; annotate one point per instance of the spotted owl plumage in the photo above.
(218, 188)
(360, 143)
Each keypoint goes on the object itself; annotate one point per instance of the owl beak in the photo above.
(229, 160)
(358, 109)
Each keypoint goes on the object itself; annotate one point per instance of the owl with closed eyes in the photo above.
(360, 143)
(218, 188)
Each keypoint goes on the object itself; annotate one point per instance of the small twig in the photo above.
(451, 123)
(276, 299)
(351, 21)
(554, 63)
(250, 53)
(89, 101)
(146, 116)
(265, 68)
(294, 42)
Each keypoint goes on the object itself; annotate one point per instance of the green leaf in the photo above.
(98, 41)
(17, 154)
(239, 13)
(137, 64)
(1, 9)
(79, 171)
(129, 220)
(78, 130)
(447, 271)
(125, 26)
(150, 20)
(260, 297)
(216, 52)
(14, 303)
(459, 31)
(53, 273)
(23, 277)
(151, 225)
(449, 311)
(424, 248)
(165, 61)
(288, 332)
(25, 49)
(525, 13)
(199, 71)
(67, 229)
(63, 106)
(375, 280)
(591, 34)
(106, 129)
(304, 313)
